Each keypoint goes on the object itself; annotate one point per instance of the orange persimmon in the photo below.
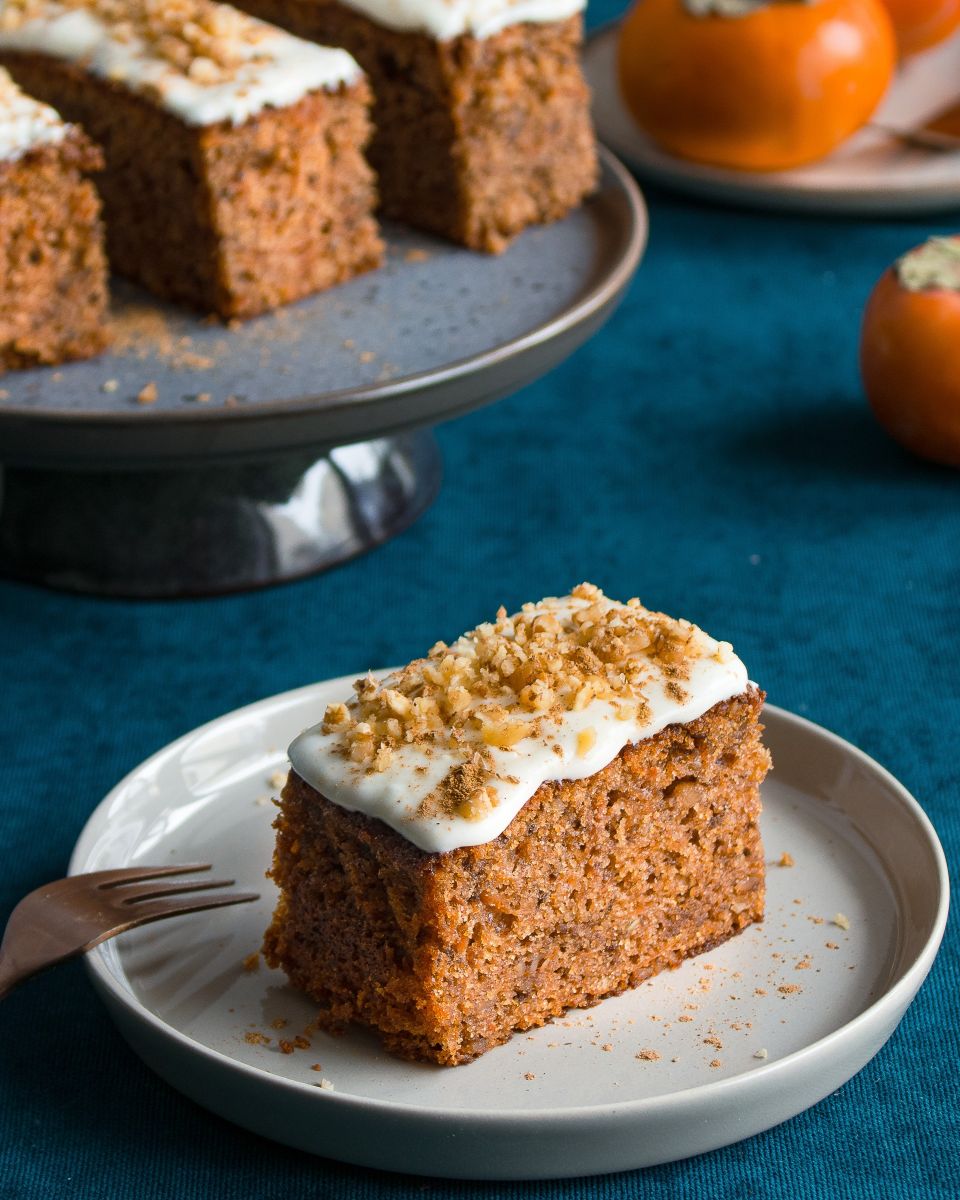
(910, 350)
(920, 24)
(774, 86)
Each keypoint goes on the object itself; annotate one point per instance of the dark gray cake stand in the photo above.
(196, 458)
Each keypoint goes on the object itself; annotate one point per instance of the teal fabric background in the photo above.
(709, 450)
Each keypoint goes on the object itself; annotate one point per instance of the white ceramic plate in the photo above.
(669, 1070)
(869, 175)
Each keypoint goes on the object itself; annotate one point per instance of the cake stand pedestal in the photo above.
(300, 439)
(229, 527)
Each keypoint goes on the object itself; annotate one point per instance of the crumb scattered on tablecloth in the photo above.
(761, 1053)
(529, 1075)
(785, 860)
(147, 394)
(648, 1055)
(253, 1037)
(789, 989)
(832, 945)
(841, 921)
(279, 1023)
(109, 385)
(715, 1063)
(325, 1085)
(252, 961)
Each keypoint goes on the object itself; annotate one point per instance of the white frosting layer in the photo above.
(395, 795)
(274, 69)
(443, 19)
(25, 124)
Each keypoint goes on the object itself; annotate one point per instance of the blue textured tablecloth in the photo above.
(709, 450)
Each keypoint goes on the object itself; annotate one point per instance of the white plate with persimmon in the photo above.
(786, 104)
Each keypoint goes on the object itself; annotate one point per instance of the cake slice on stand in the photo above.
(481, 110)
(235, 179)
(53, 273)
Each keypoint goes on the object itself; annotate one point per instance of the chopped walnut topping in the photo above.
(496, 686)
(204, 41)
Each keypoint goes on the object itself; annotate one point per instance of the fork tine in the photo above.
(157, 910)
(110, 879)
(136, 893)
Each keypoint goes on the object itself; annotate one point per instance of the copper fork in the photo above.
(69, 916)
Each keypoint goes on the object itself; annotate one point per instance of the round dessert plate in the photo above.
(735, 1041)
(870, 175)
(436, 332)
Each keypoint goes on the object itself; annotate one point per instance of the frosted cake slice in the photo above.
(234, 179)
(550, 810)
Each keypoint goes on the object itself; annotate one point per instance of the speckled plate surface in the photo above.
(435, 332)
(734, 1042)
(870, 175)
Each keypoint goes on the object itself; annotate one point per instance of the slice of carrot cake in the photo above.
(550, 810)
(235, 179)
(53, 272)
(481, 110)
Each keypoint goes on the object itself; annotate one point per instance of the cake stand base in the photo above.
(207, 530)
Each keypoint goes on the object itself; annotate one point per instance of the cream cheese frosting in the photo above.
(448, 750)
(445, 19)
(203, 61)
(25, 124)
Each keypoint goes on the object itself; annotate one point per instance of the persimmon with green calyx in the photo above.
(756, 85)
(910, 350)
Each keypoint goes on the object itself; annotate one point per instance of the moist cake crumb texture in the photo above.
(53, 274)
(481, 111)
(595, 884)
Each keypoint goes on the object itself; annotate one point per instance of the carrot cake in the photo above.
(550, 810)
(481, 110)
(53, 273)
(235, 179)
